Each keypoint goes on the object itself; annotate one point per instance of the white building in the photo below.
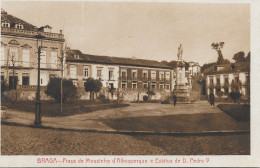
(220, 78)
(194, 68)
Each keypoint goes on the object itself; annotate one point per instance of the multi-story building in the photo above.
(126, 74)
(221, 77)
(19, 53)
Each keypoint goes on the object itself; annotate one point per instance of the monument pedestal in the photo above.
(182, 93)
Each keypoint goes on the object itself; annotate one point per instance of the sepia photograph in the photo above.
(125, 78)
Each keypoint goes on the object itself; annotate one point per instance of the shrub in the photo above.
(145, 98)
(54, 89)
(235, 96)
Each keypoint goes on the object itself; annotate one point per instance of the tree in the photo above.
(239, 57)
(54, 89)
(92, 86)
(218, 46)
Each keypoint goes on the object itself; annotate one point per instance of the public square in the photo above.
(139, 129)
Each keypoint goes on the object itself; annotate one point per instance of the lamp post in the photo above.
(37, 121)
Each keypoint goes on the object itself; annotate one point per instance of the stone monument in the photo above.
(181, 89)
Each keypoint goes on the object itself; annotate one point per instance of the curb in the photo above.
(203, 133)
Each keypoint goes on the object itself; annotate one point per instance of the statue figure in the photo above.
(180, 51)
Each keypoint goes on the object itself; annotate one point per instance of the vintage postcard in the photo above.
(130, 83)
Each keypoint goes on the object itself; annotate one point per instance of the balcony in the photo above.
(31, 34)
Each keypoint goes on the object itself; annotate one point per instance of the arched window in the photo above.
(5, 24)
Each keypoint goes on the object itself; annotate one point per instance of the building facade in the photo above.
(194, 68)
(125, 74)
(19, 56)
(228, 78)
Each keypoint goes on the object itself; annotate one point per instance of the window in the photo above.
(54, 57)
(167, 76)
(5, 24)
(73, 72)
(134, 74)
(26, 57)
(111, 74)
(218, 80)
(123, 85)
(211, 81)
(167, 87)
(86, 71)
(145, 86)
(13, 56)
(134, 85)
(123, 74)
(25, 79)
(153, 85)
(145, 74)
(226, 80)
(99, 73)
(161, 75)
(153, 75)
(43, 59)
(19, 26)
(161, 86)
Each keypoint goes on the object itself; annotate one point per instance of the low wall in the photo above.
(125, 95)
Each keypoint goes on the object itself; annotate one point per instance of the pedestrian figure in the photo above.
(211, 99)
(174, 98)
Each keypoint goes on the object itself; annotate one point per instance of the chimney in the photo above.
(60, 31)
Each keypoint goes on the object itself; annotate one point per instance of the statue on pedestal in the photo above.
(180, 51)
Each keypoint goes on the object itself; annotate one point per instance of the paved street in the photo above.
(34, 141)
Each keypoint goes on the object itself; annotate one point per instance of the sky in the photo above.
(145, 30)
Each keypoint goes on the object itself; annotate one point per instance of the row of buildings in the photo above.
(19, 64)
(129, 75)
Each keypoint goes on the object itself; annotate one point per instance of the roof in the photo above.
(228, 68)
(78, 56)
(13, 20)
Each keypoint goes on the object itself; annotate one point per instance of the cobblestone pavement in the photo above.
(34, 141)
